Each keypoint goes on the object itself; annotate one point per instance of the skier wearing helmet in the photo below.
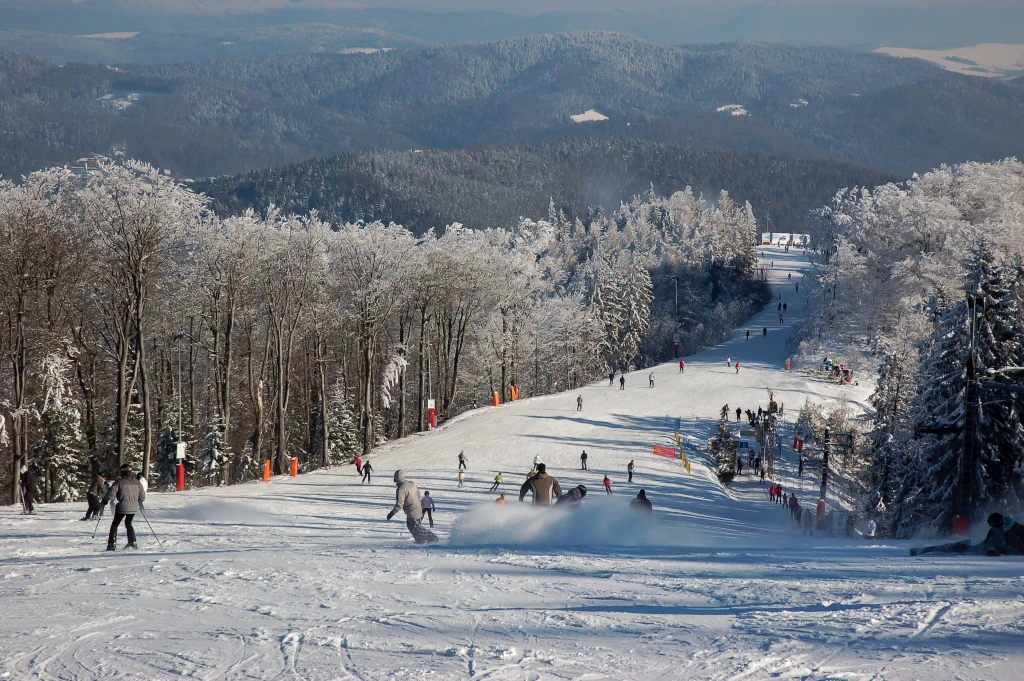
(573, 497)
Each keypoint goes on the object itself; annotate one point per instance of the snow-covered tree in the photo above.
(60, 423)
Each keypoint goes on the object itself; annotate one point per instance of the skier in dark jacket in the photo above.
(573, 497)
(1005, 536)
(367, 472)
(93, 495)
(129, 494)
(28, 489)
(641, 503)
(583, 460)
(629, 469)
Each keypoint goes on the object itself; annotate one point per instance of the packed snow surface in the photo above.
(303, 578)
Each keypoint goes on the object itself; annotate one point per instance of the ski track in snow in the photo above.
(304, 579)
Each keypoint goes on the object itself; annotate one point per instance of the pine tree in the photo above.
(930, 474)
(342, 429)
(215, 453)
(60, 424)
(997, 339)
(725, 451)
(891, 436)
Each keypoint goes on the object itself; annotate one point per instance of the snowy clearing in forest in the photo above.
(588, 116)
(303, 578)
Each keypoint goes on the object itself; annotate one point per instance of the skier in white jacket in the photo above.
(407, 498)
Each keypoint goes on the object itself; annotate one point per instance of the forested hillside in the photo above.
(494, 187)
(213, 117)
(924, 275)
(298, 337)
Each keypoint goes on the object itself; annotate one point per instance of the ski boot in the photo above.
(132, 545)
(111, 547)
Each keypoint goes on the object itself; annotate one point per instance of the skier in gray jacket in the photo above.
(407, 498)
(129, 493)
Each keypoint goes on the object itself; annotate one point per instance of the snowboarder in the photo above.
(462, 478)
(764, 332)
(607, 484)
(544, 487)
(427, 504)
(629, 469)
(583, 460)
(579, 403)
(682, 366)
(28, 490)
(501, 501)
(367, 471)
(497, 481)
(641, 503)
(650, 378)
(359, 465)
(462, 461)
(96, 489)
(129, 494)
(573, 497)
(622, 382)
(739, 412)
(748, 334)
(737, 371)
(407, 498)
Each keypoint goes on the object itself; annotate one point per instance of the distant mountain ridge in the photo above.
(214, 117)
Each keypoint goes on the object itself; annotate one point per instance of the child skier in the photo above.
(427, 504)
(462, 478)
(607, 484)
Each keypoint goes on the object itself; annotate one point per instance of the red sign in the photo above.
(665, 451)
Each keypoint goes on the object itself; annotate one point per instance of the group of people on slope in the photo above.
(547, 492)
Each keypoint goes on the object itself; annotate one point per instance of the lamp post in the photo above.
(179, 472)
(675, 338)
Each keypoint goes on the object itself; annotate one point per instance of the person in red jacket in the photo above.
(682, 366)
(359, 465)
(607, 484)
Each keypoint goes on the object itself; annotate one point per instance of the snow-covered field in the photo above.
(990, 60)
(303, 578)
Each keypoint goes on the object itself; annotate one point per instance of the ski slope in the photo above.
(303, 578)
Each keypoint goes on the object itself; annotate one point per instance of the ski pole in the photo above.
(98, 518)
(143, 511)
